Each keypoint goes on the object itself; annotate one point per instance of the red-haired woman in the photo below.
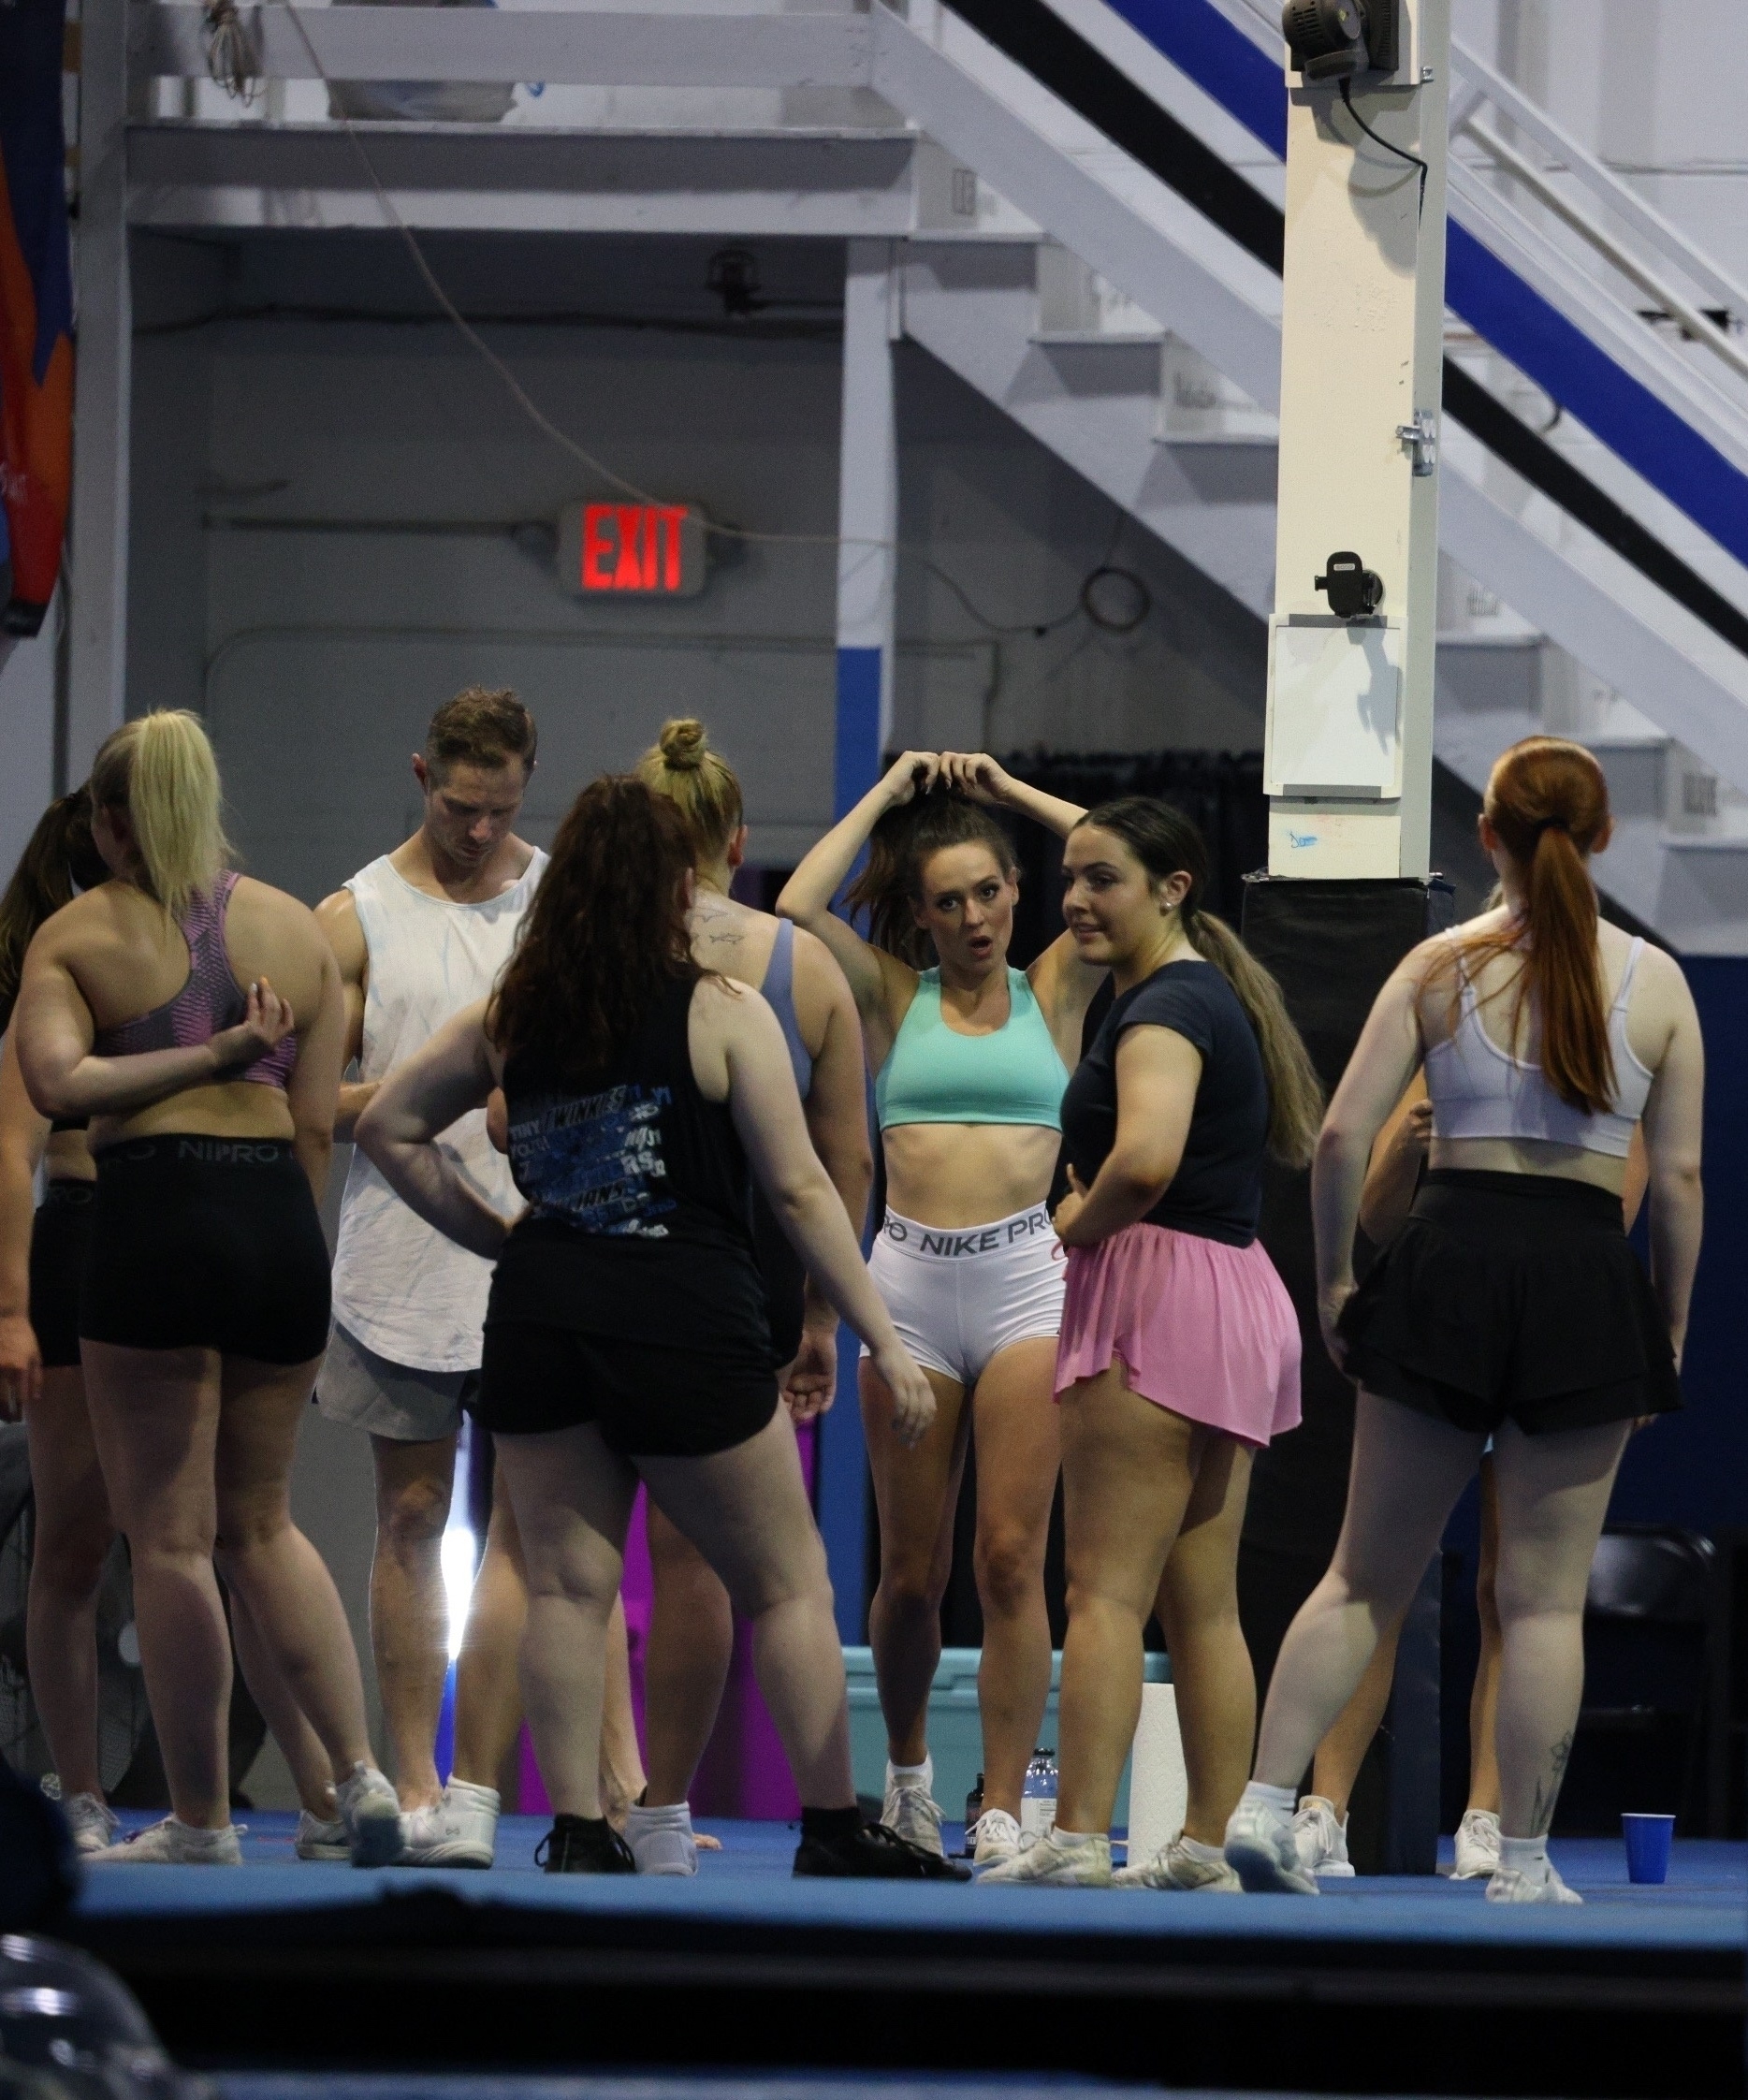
(1509, 1305)
(627, 1336)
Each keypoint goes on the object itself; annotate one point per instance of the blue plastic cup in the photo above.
(1648, 1840)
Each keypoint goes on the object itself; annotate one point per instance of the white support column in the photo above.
(867, 521)
(868, 561)
(26, 735)
(1350, 707)
(102, 394)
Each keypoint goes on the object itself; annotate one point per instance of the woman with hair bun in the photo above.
(691, 1627)
(204, 1304)
(1509, 1305)
(970, 1057)
(1180, 1346)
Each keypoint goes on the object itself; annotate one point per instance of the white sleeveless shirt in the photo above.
(400, 1287)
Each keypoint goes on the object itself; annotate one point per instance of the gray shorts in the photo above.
(364, 1391)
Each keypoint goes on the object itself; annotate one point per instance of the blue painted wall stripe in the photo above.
(841, 1489)
(1639, 428)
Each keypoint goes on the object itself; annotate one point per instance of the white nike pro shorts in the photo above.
(957, 1295)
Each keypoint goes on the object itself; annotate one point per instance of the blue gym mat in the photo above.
(1703, 1907)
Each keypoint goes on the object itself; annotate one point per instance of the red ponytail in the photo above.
(1548, 803)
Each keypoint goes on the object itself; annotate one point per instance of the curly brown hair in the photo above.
(59, 859)
(606, 931)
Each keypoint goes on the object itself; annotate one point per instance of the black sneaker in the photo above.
(577, 1844)
(874, 1853)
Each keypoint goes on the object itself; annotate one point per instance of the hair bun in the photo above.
(683, 744)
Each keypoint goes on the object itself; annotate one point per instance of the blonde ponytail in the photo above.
(159, 770)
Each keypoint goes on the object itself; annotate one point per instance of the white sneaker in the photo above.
(1051, 1864)
(1512, 1885)
(171, 1843)
(660, 1839)
(1478, 1845)
(1261, 1850)
(911, 1811)
(1320, 1841)
(1176, 1866)
(372, 1815)
(995, 1836)
(461, 1830)
(93, 1822)
(319, 1839)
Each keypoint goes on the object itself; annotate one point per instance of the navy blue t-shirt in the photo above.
(1216, 1191)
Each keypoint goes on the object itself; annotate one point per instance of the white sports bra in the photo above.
(1479, 1091)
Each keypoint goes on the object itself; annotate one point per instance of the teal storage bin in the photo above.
(956, 1736)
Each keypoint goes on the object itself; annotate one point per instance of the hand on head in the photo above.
(912, 773)
(976, 776)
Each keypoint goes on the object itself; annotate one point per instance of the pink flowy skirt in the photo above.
(1202, 1328)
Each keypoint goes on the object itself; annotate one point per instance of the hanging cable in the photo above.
(580, 453)
(1400, 153)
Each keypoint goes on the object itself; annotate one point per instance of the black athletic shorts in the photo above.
(206, 1243)
(647, 1401)
(60, 1236)
(1512, 1297)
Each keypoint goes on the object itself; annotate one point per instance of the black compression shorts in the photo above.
(60, 1239)
(206, 1243)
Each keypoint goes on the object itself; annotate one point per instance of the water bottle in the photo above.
(973, 1809)
(1038, 1797)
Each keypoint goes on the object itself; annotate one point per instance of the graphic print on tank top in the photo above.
(596, 1159)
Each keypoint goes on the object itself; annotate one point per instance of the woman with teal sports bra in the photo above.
(971, 1058)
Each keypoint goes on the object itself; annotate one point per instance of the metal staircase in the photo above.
(1083, 198)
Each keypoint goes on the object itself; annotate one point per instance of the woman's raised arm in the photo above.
(807, 896)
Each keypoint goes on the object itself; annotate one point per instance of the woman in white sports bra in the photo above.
(971, 1058)
(1509, 1305)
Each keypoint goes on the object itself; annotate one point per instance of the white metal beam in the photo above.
(835, 183)
(562, 48)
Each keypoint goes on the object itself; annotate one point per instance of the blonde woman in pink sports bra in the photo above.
(1508, 1306)
(195, 1018)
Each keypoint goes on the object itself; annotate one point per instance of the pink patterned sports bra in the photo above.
(208, 1002)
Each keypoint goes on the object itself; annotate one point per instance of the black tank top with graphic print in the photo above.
(637, 1192)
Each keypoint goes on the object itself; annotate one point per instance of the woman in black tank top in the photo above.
(627, 1339)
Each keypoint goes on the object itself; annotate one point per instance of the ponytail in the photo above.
(59, 859)
(1295, 1091)
(159, 770)
(1166, 842)
(1548, 803)
(899, 846)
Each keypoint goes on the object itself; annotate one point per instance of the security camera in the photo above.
(1354, 591)
(1340, 39)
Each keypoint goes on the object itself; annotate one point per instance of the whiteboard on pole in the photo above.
(1334, 719)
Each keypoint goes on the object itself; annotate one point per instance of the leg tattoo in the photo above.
(1548, 1788)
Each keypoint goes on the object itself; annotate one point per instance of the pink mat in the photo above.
(744, 1773)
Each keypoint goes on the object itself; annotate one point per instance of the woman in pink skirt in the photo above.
(1179, 1353)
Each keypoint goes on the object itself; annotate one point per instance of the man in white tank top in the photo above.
(420, 934)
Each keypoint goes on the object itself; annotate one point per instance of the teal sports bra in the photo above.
(937, 1075)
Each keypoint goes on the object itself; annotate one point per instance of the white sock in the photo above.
(673, 1814)
(1210, 1855)
(1526, 1855)
(921, 1775)
(472, 1792)
(1270, 1797)
(1067, 1839)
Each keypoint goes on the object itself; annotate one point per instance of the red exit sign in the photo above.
(649, 551)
